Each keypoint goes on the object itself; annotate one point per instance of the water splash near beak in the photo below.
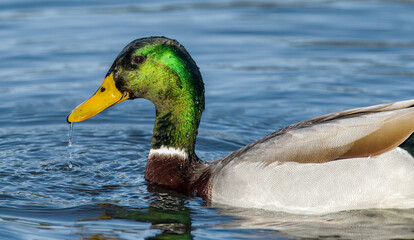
(70, 142)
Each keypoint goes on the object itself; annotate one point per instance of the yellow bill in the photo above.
(106, 96)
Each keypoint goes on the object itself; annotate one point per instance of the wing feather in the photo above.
(360, 132)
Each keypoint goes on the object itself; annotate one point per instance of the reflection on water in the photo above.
(365, 224)
(168, 215)
(171, 219)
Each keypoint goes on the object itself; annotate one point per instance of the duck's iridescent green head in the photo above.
(160, 70)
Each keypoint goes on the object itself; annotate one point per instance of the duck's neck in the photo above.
(172, 161)
(175, 130)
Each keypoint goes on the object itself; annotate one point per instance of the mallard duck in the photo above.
(340, 161)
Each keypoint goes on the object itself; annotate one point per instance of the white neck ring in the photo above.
(169, 151)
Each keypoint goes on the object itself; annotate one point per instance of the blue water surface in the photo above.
(266, 64)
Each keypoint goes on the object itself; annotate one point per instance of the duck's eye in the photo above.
(138, 59)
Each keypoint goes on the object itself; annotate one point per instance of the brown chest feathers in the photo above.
(177, 173)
